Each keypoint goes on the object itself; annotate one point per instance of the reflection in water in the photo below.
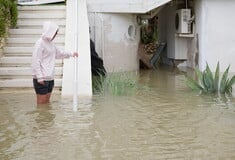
(42, 116)
(164, 120)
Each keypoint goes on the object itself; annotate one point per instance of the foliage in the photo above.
(208, 83)
(116, 84)
(13, 13)
(8, 15)
(148, 35)
(149, 31)
(2, 25)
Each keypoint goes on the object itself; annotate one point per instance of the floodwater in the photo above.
(166, 121)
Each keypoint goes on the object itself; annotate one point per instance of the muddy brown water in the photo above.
(165, 120)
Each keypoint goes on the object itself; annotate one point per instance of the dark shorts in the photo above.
(43, 89)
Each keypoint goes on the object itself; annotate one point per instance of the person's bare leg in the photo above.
(48, 97)
(42, 99)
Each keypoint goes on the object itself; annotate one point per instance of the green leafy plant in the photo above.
(148, 31)
(8, 15)
(209, 83)
(13, 13)
(116, 84)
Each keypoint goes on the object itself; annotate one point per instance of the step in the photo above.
(42, 7)
(23, 83)
(31, 32)
(22, 61)
(33, 23)
(39, 22)
(23, 77)
(23, 71)
(15, 66)
(19, 50)
(17, 42)
(45, 14)
(40, 2)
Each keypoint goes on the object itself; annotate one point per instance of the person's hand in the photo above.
(75, 54)
(41, 82)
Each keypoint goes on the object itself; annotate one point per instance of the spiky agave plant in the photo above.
(226, 84)
(208, 83)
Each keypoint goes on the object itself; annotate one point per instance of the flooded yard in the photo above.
(163, 120)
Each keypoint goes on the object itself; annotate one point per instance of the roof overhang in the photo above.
(124, 6)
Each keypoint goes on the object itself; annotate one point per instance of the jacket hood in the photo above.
(49, 30)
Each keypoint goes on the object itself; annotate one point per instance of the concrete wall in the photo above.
(216, 34)
(116, 38)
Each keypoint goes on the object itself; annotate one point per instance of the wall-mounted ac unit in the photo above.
(182, 24)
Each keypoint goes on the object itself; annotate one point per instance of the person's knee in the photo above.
(42, 99)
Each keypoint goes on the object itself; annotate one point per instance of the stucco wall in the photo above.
(114, 42)
(215, 27)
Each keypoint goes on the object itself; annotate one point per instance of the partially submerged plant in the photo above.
(114, 84)
(208, 83)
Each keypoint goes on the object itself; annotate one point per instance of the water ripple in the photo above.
(164, 121)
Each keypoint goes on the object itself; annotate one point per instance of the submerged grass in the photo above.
(116, 84)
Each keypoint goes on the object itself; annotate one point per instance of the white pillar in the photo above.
(84, 60)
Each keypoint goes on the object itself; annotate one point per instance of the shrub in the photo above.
(8, 15)
(13, 13)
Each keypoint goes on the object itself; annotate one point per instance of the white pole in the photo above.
(75, 96)
(75, 99)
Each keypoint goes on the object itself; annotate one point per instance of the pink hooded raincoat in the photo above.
(45, 52)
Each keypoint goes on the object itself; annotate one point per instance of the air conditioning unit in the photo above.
(182, 24)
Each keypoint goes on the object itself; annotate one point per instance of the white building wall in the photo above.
(116, 39)
(216, 34)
